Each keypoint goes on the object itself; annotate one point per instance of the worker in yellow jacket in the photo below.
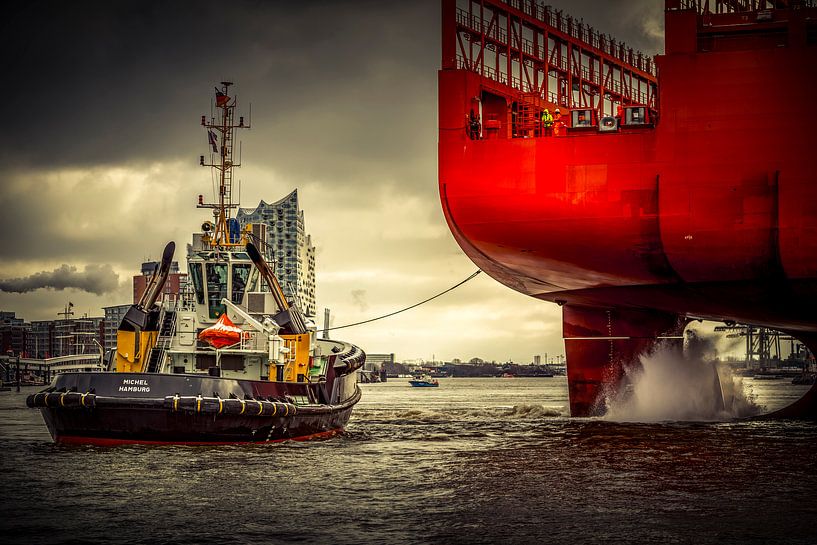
(547, 122)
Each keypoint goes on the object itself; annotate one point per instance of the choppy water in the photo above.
(473, 461)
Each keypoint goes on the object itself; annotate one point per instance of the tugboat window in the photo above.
(241, 272)
(216, 288)
(252, 285)
(195, 274)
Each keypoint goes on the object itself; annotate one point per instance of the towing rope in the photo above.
(473, 275)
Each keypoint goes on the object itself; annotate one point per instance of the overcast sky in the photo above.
(101, 137)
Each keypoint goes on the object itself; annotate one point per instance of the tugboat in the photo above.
(230, 360)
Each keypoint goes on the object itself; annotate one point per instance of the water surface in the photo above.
(473, 461)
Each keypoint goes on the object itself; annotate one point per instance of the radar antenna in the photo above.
(220, 136)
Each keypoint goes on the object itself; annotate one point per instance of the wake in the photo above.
(671, 386)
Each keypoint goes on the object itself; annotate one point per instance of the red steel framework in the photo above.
(549, 57)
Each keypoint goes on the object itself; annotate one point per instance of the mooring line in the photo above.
(473, 275)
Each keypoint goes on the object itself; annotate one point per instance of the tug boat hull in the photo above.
(121, 408)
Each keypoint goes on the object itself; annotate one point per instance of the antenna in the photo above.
(221, 139)
(67, 312)
(326, 323)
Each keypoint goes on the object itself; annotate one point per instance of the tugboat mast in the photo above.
(220, 133)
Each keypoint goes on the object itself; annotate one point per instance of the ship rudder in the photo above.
(603, 344)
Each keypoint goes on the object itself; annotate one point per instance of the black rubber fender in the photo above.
(66, 400)
(217, 406)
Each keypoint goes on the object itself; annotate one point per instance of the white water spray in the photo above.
(681, 387)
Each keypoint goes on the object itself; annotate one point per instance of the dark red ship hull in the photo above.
(710, 214)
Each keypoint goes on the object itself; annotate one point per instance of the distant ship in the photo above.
(232, 360)
(669, 191)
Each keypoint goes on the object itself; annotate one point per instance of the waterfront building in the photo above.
(38, 344)
(113, 317)
(64, 337)
(173, 286)
(85, 334)
(375, 362)
(288, 246)
(13, 333)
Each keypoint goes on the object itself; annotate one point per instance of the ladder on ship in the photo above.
(166, 333)
(527, 115)
(227, 157)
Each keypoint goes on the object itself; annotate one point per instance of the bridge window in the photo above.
(252, 284)
(216, 288)
(241, 272)
(195, 274)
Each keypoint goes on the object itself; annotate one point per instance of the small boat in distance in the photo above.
(424, 380)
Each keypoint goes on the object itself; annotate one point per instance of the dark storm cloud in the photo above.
(98, 279)
(95, 81)
(94, 215)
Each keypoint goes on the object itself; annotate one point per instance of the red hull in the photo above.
(710, 214)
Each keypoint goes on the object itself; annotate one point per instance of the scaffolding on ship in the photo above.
(545, 58)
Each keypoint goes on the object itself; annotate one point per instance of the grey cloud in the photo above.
(359, 299)
(101, 82)
(58, 216)
(97, 279)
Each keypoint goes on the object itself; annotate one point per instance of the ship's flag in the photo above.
(213, 140)
(221, 98)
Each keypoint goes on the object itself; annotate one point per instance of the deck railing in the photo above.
(532, 57)
(730, 6)
(568, 25)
